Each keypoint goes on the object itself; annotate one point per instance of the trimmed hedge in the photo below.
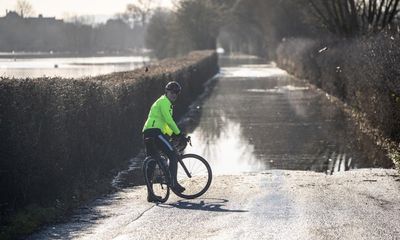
(363, 72)
(60, 138)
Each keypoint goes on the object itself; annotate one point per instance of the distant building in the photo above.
(48, 34)
(18, 33)
(14, 16)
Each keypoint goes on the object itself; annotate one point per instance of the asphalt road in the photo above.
(275, 204)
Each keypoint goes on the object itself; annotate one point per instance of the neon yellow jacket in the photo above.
(160, 116)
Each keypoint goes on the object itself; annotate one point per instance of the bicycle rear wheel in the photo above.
(156, 178)
(197, 179)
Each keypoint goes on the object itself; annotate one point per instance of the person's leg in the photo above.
(148, 139)
(165, 146)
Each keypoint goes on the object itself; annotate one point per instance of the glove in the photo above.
(177, 137)
(181, 140)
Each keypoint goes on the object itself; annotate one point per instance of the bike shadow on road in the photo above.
(202, 204)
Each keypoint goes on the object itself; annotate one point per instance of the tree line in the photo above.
(252, 26)
(257, 26)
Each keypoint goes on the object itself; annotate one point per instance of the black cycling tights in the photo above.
(153, 140)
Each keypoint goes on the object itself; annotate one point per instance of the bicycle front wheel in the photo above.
(156, 178)
(194, 174)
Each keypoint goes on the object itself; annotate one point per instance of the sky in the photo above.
(64, 8)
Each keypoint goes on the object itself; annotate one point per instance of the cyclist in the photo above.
(157, 129)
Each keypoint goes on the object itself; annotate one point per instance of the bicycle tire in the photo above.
(199, 182)
(158, 183)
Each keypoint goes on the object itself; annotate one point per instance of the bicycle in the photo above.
(194, 173)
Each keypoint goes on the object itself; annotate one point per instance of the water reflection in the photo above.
(229, 145)
(256, 71)
(258, 117)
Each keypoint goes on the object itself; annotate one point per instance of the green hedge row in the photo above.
(60, 138)
(363, 72)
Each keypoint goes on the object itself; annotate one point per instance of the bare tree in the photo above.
(200, 21)
(139, 11)
(352, 17)
(259, 25)
(378, 14)
(24, 8)
(194, 25)
(159, 35)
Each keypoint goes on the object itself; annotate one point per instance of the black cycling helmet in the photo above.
(173, 86)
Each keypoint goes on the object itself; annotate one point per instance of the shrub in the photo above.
(61, 138)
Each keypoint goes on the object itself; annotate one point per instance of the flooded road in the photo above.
(257, 117)
(255, 126)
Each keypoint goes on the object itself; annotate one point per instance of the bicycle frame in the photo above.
(186, 172)
(179, 155)
(184, 167)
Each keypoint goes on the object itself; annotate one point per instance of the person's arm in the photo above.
(165, 107)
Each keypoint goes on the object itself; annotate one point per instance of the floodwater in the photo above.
(73, 67)
(253, 116)
(257, 117)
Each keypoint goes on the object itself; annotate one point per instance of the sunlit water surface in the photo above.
(68, 67)
(258, 117)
